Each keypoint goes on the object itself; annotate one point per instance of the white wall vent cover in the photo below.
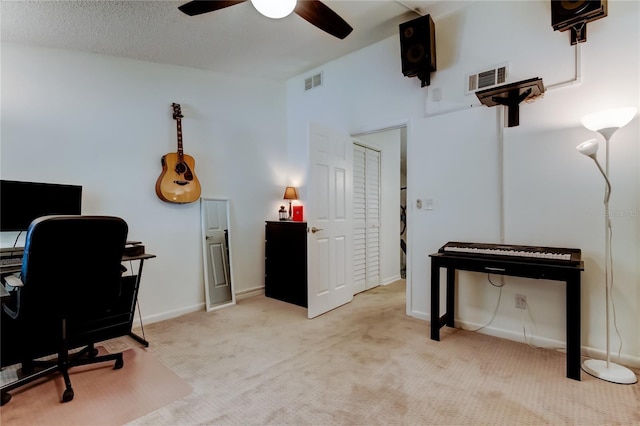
(486, 78)
(313, 81)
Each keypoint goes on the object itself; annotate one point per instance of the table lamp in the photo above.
(290, 193)
(606, 123)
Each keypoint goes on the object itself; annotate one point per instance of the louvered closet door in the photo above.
(366, 214)
(359, 220)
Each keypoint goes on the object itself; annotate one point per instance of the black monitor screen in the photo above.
(22, 202)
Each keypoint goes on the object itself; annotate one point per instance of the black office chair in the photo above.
(72, 297)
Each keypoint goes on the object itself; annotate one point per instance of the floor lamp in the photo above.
(606, 123)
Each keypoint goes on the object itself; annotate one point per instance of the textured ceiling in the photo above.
(235, 40)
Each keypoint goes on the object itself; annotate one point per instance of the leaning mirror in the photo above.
(218, 285)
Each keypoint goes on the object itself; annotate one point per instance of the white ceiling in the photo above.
(235, 40)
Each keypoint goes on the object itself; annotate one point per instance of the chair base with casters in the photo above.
(62, 364)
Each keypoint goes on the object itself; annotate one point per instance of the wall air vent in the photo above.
(313, 81)
(485, 79)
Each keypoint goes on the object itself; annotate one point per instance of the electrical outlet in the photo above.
(521, 301)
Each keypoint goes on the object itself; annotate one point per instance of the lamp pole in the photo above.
(607, 245)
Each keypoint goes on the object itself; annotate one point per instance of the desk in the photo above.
(18, 251)
(570, 274)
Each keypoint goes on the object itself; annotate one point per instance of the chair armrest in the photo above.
(13, 284)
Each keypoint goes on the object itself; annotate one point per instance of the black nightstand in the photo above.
(286, 261)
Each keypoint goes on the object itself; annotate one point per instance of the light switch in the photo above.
(418, 204)
(437, 95)
(429, 204)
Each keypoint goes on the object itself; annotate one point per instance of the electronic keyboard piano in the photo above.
(533, 254)
(551, 263)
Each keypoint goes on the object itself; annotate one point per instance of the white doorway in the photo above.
(392, 248)
(366, 217)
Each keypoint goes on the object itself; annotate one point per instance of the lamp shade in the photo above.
(609, 119)
(290, 193)
(588, 148)
(274, 9)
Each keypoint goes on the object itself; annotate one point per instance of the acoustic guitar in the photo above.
(178, 183)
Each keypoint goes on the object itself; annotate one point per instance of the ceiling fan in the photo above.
(314, 11)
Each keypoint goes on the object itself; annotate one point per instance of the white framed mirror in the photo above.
(216, 252)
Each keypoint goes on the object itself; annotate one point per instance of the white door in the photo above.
(366, 218)
(329, 219)
(218, 288)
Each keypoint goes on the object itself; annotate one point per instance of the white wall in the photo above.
(104, 123)
(552, 195)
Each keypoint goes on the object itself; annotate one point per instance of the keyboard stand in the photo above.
(538, 269)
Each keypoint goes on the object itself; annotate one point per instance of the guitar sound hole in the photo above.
(181, 168)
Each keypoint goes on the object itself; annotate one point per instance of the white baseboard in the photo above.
(420, 315)
(150, 319)
(537, 341)
(624, 359)
(250, 292)
(390, 280)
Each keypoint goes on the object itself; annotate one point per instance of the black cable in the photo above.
(16, 241)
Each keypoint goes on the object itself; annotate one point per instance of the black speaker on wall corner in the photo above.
(418, 48)
(574, 15)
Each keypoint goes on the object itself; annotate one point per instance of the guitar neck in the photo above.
(180, 150)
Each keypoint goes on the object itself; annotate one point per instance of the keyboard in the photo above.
(10, 261)
(524, 253)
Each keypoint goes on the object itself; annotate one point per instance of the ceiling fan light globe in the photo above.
(274, 9)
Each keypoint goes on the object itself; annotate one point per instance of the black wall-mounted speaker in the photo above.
(574, 15)
(418, 48)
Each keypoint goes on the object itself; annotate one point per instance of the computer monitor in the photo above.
(22, 202)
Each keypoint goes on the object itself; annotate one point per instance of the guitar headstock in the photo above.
(177, 114)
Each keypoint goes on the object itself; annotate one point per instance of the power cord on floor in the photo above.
(529, 340)
(495, 311)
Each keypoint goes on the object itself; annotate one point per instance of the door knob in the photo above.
(314, 229)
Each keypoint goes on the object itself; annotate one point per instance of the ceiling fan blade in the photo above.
(198, 7)
(318, 14)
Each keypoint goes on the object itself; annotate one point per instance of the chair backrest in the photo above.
(71, 269)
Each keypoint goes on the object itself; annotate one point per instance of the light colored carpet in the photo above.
(262, 362)
(103, 396)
